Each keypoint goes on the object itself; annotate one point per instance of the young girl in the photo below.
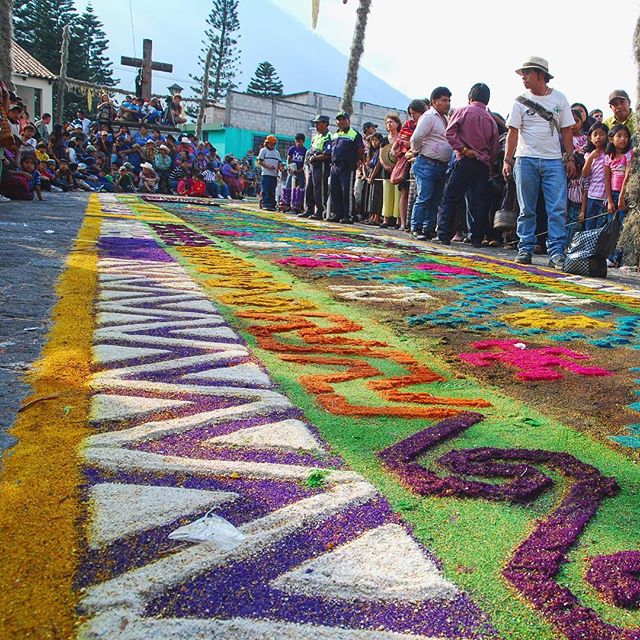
(617, 165)
(575, 186)
(593, 174)
(373, 205)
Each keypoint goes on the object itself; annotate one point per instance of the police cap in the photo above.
(320, 118)
(343, 114)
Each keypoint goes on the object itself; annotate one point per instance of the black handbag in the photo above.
(588, 250)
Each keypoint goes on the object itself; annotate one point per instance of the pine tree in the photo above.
(221, 35)
(38, 28)
(92, 40)
(265, 81)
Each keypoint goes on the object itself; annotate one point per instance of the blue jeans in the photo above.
(593, 218)
(430, 178)
(269, 191)
(469, 176)
(533, 175)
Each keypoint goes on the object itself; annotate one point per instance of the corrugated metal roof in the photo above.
(25, 64)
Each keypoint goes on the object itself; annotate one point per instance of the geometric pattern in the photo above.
(187, 420)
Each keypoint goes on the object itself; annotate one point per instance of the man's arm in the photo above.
(509, 151)
(569, 160)
(423, 128)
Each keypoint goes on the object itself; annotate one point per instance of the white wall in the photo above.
(26, 89)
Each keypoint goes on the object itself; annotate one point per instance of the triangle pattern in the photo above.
(119, 510)
(382, 564)
(107, 353)
(248, 373)
(122, 318)
(113, 407)
(209, 332)
(287, 434)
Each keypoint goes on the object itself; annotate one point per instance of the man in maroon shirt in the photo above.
(473, 135)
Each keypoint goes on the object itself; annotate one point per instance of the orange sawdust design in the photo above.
(321, 339)
(40, 481)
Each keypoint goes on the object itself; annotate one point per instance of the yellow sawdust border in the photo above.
(40, 509)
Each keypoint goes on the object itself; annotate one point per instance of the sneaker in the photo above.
(523, 258)
(429, 233)
(444, 241)
(557, 262)
(305, 214)
(4, 199)
(219, 197)
(56, 189)
(418, 236)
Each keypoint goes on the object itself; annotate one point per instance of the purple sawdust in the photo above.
(257, 499)
(617, 578)
(243, 588)
(539, 558)
(132, 249)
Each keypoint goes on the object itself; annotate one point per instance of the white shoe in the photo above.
(4, 199)
(229, 198)
(219, 197)
(56, 189)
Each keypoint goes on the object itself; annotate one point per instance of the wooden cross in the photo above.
(146, 66)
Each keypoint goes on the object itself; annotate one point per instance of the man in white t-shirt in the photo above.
(539, 127)
(270, 161)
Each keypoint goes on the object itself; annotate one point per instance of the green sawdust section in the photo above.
(40, 503)
(457, 529)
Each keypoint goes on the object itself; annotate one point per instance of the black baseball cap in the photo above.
(343, 114)
(366, 125)
(320, 118)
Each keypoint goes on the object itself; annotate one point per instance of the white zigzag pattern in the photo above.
(137, 300)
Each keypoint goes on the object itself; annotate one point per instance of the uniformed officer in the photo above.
(318, 158)
(347, 151)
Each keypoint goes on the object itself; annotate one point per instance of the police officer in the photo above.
(347, 152)
(317, 159)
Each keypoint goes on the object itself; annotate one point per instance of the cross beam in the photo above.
(146, 66)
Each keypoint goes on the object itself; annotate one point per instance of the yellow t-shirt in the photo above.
(629, 122)
(42, 156)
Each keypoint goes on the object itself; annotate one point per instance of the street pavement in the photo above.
(35, 239)
(392, 441)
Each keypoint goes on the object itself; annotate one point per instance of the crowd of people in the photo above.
(105, 154)
(443, 175)
(438, 174)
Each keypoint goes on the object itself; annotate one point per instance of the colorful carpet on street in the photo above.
(409, 442)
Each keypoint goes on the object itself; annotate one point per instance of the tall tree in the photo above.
(38, 28)
(357, 49)
(6, 38)
(96, 67)
(265, 81)
(221, 37)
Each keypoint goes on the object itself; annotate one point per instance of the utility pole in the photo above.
(205, 93)
(62, 80)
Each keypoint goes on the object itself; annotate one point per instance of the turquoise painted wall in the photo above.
(238, 141)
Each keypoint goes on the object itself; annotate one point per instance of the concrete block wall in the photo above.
(292, 114)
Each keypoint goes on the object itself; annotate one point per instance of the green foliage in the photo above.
(221, 34)
(38, 28)
(316, 479)
(265, 81)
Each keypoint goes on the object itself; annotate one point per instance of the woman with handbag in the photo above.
(401, 150)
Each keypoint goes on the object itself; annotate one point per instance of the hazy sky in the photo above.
(456, 44)
(415, 45)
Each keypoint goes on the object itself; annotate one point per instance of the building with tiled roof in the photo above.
(33, 82)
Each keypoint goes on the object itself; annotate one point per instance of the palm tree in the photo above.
(630, 240)
(357, 48)
(6, 38)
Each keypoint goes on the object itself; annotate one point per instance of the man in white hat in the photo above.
(539, 152)
(162, 164)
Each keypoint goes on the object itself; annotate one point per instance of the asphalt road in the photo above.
(35, 238)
